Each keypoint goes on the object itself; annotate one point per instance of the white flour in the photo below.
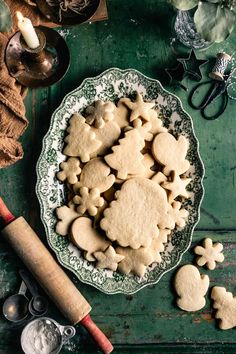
(41, 337)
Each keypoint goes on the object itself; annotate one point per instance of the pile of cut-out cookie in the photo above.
(191, 286)
(125, 173)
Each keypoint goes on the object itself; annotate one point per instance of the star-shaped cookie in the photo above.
(177, 187)
(108, 259)
(209, 254)
(138, 108)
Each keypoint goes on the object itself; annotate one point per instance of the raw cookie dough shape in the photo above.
(84, 236)
(70, 170)
(100, 113)
(209, 254)
(107, 135)
(225, 304)
(81, 140)
(171, 153)
(126, 157)
(66, 215)
(88, 200)
(138, 108)
(176, 187)
(178, 214)
(191, 288)
(132, 219)
(108, 259)
(95, 174)
(135, 261)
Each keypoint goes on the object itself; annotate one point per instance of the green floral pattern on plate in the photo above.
(112, 85)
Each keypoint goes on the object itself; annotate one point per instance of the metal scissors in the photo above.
(218, 91)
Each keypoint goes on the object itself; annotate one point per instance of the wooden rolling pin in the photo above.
(50, 275)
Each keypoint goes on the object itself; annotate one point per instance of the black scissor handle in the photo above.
(205, 100)
(217, 89)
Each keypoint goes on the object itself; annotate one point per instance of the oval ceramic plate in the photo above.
(112, 85)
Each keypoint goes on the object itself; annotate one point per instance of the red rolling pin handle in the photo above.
(5, 213)
(99, 337)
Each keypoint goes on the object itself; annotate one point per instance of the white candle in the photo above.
(27, 30)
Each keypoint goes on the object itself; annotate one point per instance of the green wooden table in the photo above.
(137, 35)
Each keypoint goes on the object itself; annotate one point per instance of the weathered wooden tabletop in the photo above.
(137, 35)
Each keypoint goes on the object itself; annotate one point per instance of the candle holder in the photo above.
(39, 67)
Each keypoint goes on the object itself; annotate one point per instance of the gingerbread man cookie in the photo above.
(70, 170)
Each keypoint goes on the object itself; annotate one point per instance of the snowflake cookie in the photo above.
(209, 253)
(88, 200)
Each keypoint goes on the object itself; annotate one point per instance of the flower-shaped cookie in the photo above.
(100, 113)
(209, 254)
(69, 170)
(108, 259)
(88, 200)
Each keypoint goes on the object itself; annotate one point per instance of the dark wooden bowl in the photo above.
(68, 17)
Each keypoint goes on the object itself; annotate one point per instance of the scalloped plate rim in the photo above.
(67, 266)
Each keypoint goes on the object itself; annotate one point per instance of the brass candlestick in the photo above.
(39, 67)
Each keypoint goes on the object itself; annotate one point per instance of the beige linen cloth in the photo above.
(12, 110)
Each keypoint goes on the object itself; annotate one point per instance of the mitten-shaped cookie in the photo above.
(84, 236)
(81, 140)
(225, 304)
(171, 153)
(95, 174)
(191, 288)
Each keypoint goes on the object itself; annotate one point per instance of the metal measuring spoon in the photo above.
(15, 307)
(38, 305)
